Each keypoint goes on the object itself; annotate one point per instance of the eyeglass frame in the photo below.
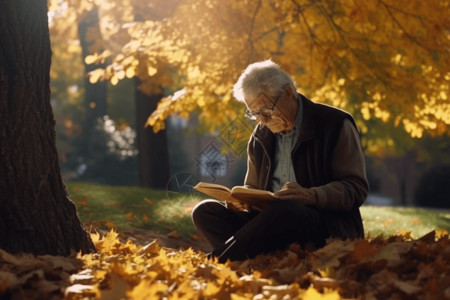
(262, 116)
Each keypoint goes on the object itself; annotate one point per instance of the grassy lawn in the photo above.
(395, 220)
(125, 207)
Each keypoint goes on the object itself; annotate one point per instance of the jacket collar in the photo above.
(307, 129)
(264, 136)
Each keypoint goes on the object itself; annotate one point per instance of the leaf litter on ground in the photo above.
(397, 267)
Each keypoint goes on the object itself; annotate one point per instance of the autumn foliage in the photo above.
(397, 267)
(383, 60)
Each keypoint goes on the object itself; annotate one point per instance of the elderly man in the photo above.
(308, 154)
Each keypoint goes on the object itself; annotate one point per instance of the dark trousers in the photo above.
(240, 235)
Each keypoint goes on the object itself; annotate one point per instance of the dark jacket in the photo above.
(334, 169)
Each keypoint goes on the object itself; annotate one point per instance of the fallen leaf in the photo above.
(149, 201)
(362, 250)
(145, 218)
(129, 216)
(82, 203)
(387, 222)
(416, 220)
(150, 248)
(174, 235)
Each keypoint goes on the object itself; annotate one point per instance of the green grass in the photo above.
(127, 207)
(395, 220)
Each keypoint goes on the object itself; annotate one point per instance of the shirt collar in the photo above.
(299, 118)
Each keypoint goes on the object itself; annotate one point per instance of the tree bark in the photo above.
(153, 157)
(36, 215)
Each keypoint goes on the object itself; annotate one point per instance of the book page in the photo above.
(216, 191)
(214, 186)
(238, 194)
(252, 196)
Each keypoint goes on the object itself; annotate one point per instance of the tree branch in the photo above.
(339, 31)
(412, 38)
(252, 26)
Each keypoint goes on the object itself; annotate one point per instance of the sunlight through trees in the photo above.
(385, 61)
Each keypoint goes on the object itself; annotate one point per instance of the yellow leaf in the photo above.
(241, 297)
(147, 289)
(151, 71)
(211, 290)
(95, 237)
(111, 237)
(130, 72)
(121, 74)
(90, 59)
(95, 75)
(114, 80)
(313, 294)
(405, 234)
(441, 233)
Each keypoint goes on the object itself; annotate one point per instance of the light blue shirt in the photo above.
(284, 144)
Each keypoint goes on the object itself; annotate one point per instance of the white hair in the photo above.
(264, 76)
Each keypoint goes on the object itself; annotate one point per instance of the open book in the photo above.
(238, 194)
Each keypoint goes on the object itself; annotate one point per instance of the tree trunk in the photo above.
(153, 157)
(404, 175)
(94, 93)
(36, 215)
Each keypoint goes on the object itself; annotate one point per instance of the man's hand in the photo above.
(237, 206)
(294, 191)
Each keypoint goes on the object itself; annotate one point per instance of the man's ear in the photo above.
(288, 90)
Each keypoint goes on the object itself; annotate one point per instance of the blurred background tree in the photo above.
(385, 61)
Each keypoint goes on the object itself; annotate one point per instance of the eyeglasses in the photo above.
(265, 114)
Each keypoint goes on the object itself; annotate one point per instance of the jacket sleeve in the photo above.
(251, 178)
(349, 188)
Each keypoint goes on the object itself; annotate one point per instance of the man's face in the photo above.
(277, 114)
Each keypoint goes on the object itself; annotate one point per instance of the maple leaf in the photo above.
(392, 253)
(313, 294)
(362, 250)
(371, 269)
(330, 255)
(95, 237)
